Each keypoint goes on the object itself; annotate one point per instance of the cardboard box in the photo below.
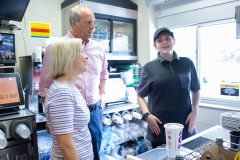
(213, 152)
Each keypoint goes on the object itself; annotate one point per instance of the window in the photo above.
(217, 51)
(219, 58)
(185, 42)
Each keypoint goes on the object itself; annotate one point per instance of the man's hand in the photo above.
(153, 124)
(191, 119)
(47, 128)
(102, 101)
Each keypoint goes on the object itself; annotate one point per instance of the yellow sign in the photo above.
(39, 29)
(229, 89)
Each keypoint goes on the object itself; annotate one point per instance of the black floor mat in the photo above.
(196, 143)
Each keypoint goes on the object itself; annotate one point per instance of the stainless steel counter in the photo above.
(189, 144)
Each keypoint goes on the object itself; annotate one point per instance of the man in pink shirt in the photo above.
(91, 84)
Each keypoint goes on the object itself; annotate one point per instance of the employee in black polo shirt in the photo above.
(167, 81)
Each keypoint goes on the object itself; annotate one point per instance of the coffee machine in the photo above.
(30, 68)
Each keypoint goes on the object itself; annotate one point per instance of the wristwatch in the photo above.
(145, 115)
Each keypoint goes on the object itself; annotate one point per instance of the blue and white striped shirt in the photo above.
(67, 112)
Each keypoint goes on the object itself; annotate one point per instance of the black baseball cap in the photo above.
(161, 30)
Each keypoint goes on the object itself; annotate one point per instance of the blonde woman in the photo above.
(66, 110)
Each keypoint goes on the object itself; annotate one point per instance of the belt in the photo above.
(94, 106)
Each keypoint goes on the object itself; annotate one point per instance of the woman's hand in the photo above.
(153, 124)
(191, 119)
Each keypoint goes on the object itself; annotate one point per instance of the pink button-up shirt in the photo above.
(87, 82)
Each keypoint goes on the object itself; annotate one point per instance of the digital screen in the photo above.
(13, 9)
(8, 91)
(7, 48)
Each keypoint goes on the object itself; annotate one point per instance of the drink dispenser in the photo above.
(107, 120)
(126, 115)
(136, 114)
(116, 117)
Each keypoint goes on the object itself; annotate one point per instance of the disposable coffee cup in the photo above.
(3, 140)
(235, 139)
(173, 133)
(107, 121)
(22, 130)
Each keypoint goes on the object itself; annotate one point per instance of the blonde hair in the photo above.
(62, 54)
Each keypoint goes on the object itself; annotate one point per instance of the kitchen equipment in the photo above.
(230, 120)
(18, 146)
(115, 91)
(30, 70)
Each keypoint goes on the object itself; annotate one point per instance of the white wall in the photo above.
(196, 12)
(48, 11)
(146, 25)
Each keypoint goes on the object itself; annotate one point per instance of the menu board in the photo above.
(9, 90)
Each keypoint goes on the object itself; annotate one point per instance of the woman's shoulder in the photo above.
(59, 88)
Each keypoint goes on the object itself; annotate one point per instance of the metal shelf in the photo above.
(120, 107)
(198, 152)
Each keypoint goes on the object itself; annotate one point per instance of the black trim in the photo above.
(120, 19)
(119, 3)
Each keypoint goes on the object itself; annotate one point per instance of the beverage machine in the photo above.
(30, 68)
(18, 135)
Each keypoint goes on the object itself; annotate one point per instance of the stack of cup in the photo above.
(3, 140)
(173, 133)
(22, 130)
(235, 139)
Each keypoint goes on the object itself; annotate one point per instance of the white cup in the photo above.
(126, 115)
(136, 115)
(107, 120)
(3, 140)
(22, 130)
(173, 133)
(117, 118)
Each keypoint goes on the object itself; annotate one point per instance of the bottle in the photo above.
(136, 73)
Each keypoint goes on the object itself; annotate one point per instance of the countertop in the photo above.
(189, 145)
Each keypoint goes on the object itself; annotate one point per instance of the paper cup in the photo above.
(3, 141)
(22, 130)
(173, 133)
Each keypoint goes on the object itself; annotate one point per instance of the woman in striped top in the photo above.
(66, 110)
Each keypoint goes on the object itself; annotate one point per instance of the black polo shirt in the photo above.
(167, 85)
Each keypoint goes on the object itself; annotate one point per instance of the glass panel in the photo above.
(122, 38)
(102, 33)
(219, 61)
(185, 42)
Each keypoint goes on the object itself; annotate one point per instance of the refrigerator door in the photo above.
(102, 34)
(122, 38)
